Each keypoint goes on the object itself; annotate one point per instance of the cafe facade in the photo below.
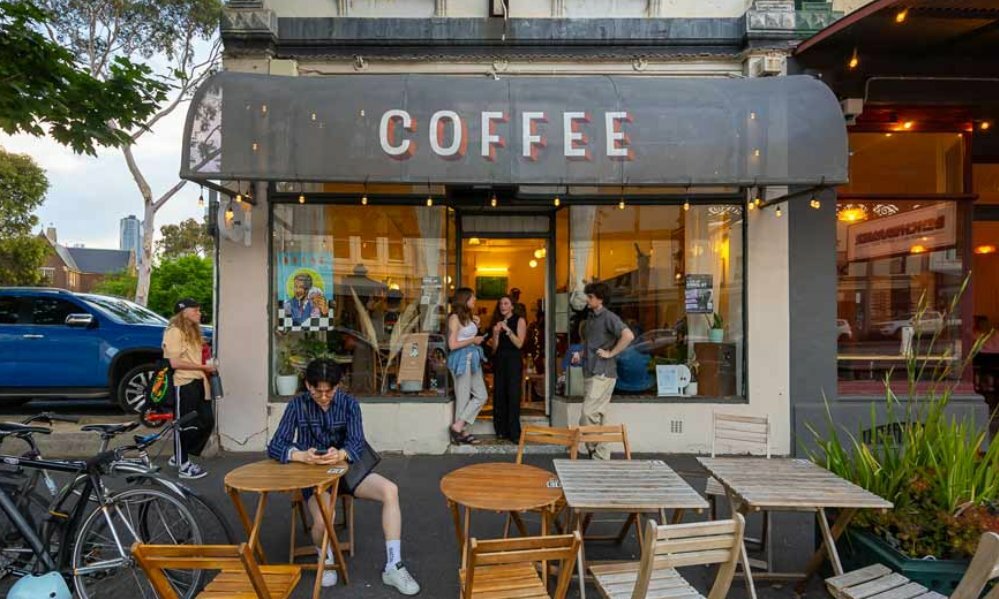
(368, 166)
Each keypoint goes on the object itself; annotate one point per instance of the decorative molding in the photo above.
(440, 8)
(248, 31)
(343, 8)
(558, 8)
(654, 9)
(771, 15)
(816, 15)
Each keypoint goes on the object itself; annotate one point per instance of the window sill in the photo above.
(643, 399)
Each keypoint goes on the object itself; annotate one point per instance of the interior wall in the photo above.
(985, 267)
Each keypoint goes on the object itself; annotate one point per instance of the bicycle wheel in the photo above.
(15, 554)
(102, 561)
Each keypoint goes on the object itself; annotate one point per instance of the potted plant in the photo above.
(716, 326)
(937, 470)
(694, 366)
(287, 375)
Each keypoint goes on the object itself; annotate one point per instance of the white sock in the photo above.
(330, 560)
(393, 553)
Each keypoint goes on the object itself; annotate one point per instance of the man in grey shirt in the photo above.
(605, 336)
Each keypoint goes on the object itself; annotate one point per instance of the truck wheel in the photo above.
(131, 392)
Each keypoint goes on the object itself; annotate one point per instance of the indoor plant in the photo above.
(716, 324)
(287, 375)
(694, 366)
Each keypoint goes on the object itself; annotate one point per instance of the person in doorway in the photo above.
(182, 346)
(518, 308)
(465, 363)
(323, 426)
(604, 337)
(509, 332)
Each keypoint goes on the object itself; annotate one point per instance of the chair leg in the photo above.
(348, 516)
(626, 528)
(713, 507)
(291, 543)
(506, 526)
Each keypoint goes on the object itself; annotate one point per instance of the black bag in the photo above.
(360, 469)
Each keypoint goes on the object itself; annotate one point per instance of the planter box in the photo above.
(859, 548)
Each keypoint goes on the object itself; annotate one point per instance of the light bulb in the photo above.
(364, 200)
(620, 205)
(557, 201)
(229, 213)
(752, 206)
(301, 198)
(201, 201)
(901, 15)
(430, 201)
(985, 125)
(492, 201)
(686, 206)
(757, 201)
(816, 203)
(533, 263)
(239, 198)
(907, 125)
(854, 60)
(778, 212)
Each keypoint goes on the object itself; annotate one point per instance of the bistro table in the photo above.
(269, 476)
(624, 486)
(498, 487)
(793, 485)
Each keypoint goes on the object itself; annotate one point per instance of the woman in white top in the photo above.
(465, 363)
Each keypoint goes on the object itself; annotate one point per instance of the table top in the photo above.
(793, 483)
(625, 486)
(273, 476)
(501, 487)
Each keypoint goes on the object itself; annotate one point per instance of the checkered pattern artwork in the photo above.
(316, 323)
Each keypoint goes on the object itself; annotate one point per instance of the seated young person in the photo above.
(327, 418)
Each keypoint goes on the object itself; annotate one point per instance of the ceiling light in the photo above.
(901, 15)
(364, 200)
(557, 201)
(533, 263)
(917, 249)
(301, 198)
(907, 125)
(539, 254)
(430, 201)
(985, 249)
(474, 241)
(985, 125)
(620, 205)
(492, 201)
(854, 60)
(778, 212)
(686, 205)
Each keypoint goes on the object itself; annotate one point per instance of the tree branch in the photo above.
(169, 194)
(140, 180)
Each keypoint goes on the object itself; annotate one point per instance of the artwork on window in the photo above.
(305, 290)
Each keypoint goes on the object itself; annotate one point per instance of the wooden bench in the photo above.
(879, 582)
(508, 567)
(240, 577)
(672, 546)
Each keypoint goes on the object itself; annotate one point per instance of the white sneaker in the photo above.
(400, 578)
(172, 462)
(192, 471)
(330, 577)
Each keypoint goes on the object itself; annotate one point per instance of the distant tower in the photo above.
(130, 236)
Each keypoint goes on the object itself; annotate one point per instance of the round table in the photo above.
(499, 487)
(269, 476)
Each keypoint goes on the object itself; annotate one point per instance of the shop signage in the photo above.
(911, 232)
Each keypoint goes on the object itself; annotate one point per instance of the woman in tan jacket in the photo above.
(182, 342)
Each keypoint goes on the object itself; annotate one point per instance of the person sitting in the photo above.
(326, 418)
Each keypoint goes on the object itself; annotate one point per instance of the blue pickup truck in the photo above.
(59, 344)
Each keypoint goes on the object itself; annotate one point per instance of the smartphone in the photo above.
(322, 451)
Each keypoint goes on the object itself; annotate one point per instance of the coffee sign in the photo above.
(912, 232)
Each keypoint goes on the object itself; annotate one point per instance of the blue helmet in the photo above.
(46, 586)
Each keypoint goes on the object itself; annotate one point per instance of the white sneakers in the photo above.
(330, 576)
(400, 578)
(192, 471)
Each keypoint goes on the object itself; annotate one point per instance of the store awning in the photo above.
(424, 129)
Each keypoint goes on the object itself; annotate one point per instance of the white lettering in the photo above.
(437, 133)
(530, 140)
(489, 139)
(570, 136)
(386, 133)
(617, 140)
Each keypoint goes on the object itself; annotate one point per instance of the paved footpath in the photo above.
(428, 533)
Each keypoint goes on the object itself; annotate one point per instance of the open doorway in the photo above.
(518, 268)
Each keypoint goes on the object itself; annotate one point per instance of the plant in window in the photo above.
(716, 324)
(287, 373)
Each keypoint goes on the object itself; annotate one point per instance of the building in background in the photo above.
(82, 268)
(130, 236)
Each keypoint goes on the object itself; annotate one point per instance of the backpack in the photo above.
(160, 388)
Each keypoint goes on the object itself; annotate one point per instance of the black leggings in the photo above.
(194, 437)
(508, 375)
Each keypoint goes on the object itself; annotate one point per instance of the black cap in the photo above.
(185, 303)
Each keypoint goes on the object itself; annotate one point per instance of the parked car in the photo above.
(930, 322)
(843, 330)
(60, 344)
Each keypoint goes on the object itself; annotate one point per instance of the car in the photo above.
(843, 330)
(60, 344)
(929, 322)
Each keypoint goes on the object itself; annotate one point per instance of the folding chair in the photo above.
(610, 433)
(508, 567)
(543, 435)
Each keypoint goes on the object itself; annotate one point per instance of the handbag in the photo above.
(360, 468)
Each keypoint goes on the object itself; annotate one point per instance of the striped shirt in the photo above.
(305, 425)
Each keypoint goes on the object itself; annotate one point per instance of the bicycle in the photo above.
(93, 545)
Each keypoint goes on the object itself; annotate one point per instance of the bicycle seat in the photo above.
(110, 429)
(13, 428)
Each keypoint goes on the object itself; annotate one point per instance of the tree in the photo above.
(120, 284)
(22, 190)
(186, 238)
(188, 276)
(42, 84)
(99, 31)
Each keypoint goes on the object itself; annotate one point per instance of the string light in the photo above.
(557, 201)
(201, 198)
(430, 201)
(757, 201)
(686, 205)
(907, 125)
(364, 200)
(854, 60)
(620, 205)
(778, 212)
(752, 206)
(492, 201)
(229, 214)
(901, 15)
(301, 198)
(533, 263)
(985, 125)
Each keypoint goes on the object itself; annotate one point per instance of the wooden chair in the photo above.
(673, 546)
(543, 435)
(298, 510)
(508, 567)
(239, 576)
(878, 582)
(744, 434)
(610, 433)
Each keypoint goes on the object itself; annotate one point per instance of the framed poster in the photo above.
(697, 294)
(490, 288)
(304, 290)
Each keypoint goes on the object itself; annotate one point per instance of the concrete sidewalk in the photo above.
(429, 548)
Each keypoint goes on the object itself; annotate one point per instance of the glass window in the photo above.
(674, 275)
(125, 311)
(51, 311)
(918, 163)
(10, 308)
(893, 257)
(342, 292)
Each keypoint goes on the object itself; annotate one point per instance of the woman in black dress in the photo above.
(509, 331)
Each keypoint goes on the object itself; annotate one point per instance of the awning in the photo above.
(424, 129)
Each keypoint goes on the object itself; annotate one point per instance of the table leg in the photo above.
(677, 516)
(325, 511)
(828, 546)
(258, 519)
(662, 516)
(456, 516)
(580, 558)
(464, 545)
(544, 533)
(520, 523)
(244, 518)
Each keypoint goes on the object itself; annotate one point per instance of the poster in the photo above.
(413, 358)
(305, 290)
(697, 295)
(667, 380)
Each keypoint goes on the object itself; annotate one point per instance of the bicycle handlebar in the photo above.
(144, 441)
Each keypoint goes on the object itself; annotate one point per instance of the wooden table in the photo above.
(498, 487)
(625, 486)
(793, 485)
(269, 476)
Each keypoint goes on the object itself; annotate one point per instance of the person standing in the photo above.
(509, 331)
(182, 346)
(604, 337)
(518, 307)
(465, 363)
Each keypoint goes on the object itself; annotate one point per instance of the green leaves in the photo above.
(186, 238)
(22, 190)
(42, 84)
(189, 276)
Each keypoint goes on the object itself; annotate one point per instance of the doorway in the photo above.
(516, 265)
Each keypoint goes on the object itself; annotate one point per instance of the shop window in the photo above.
(336, 295)
(900, 267)
(898, 163)
(674, 275)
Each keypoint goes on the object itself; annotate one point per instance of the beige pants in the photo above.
(597, 392)
(470, 394)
